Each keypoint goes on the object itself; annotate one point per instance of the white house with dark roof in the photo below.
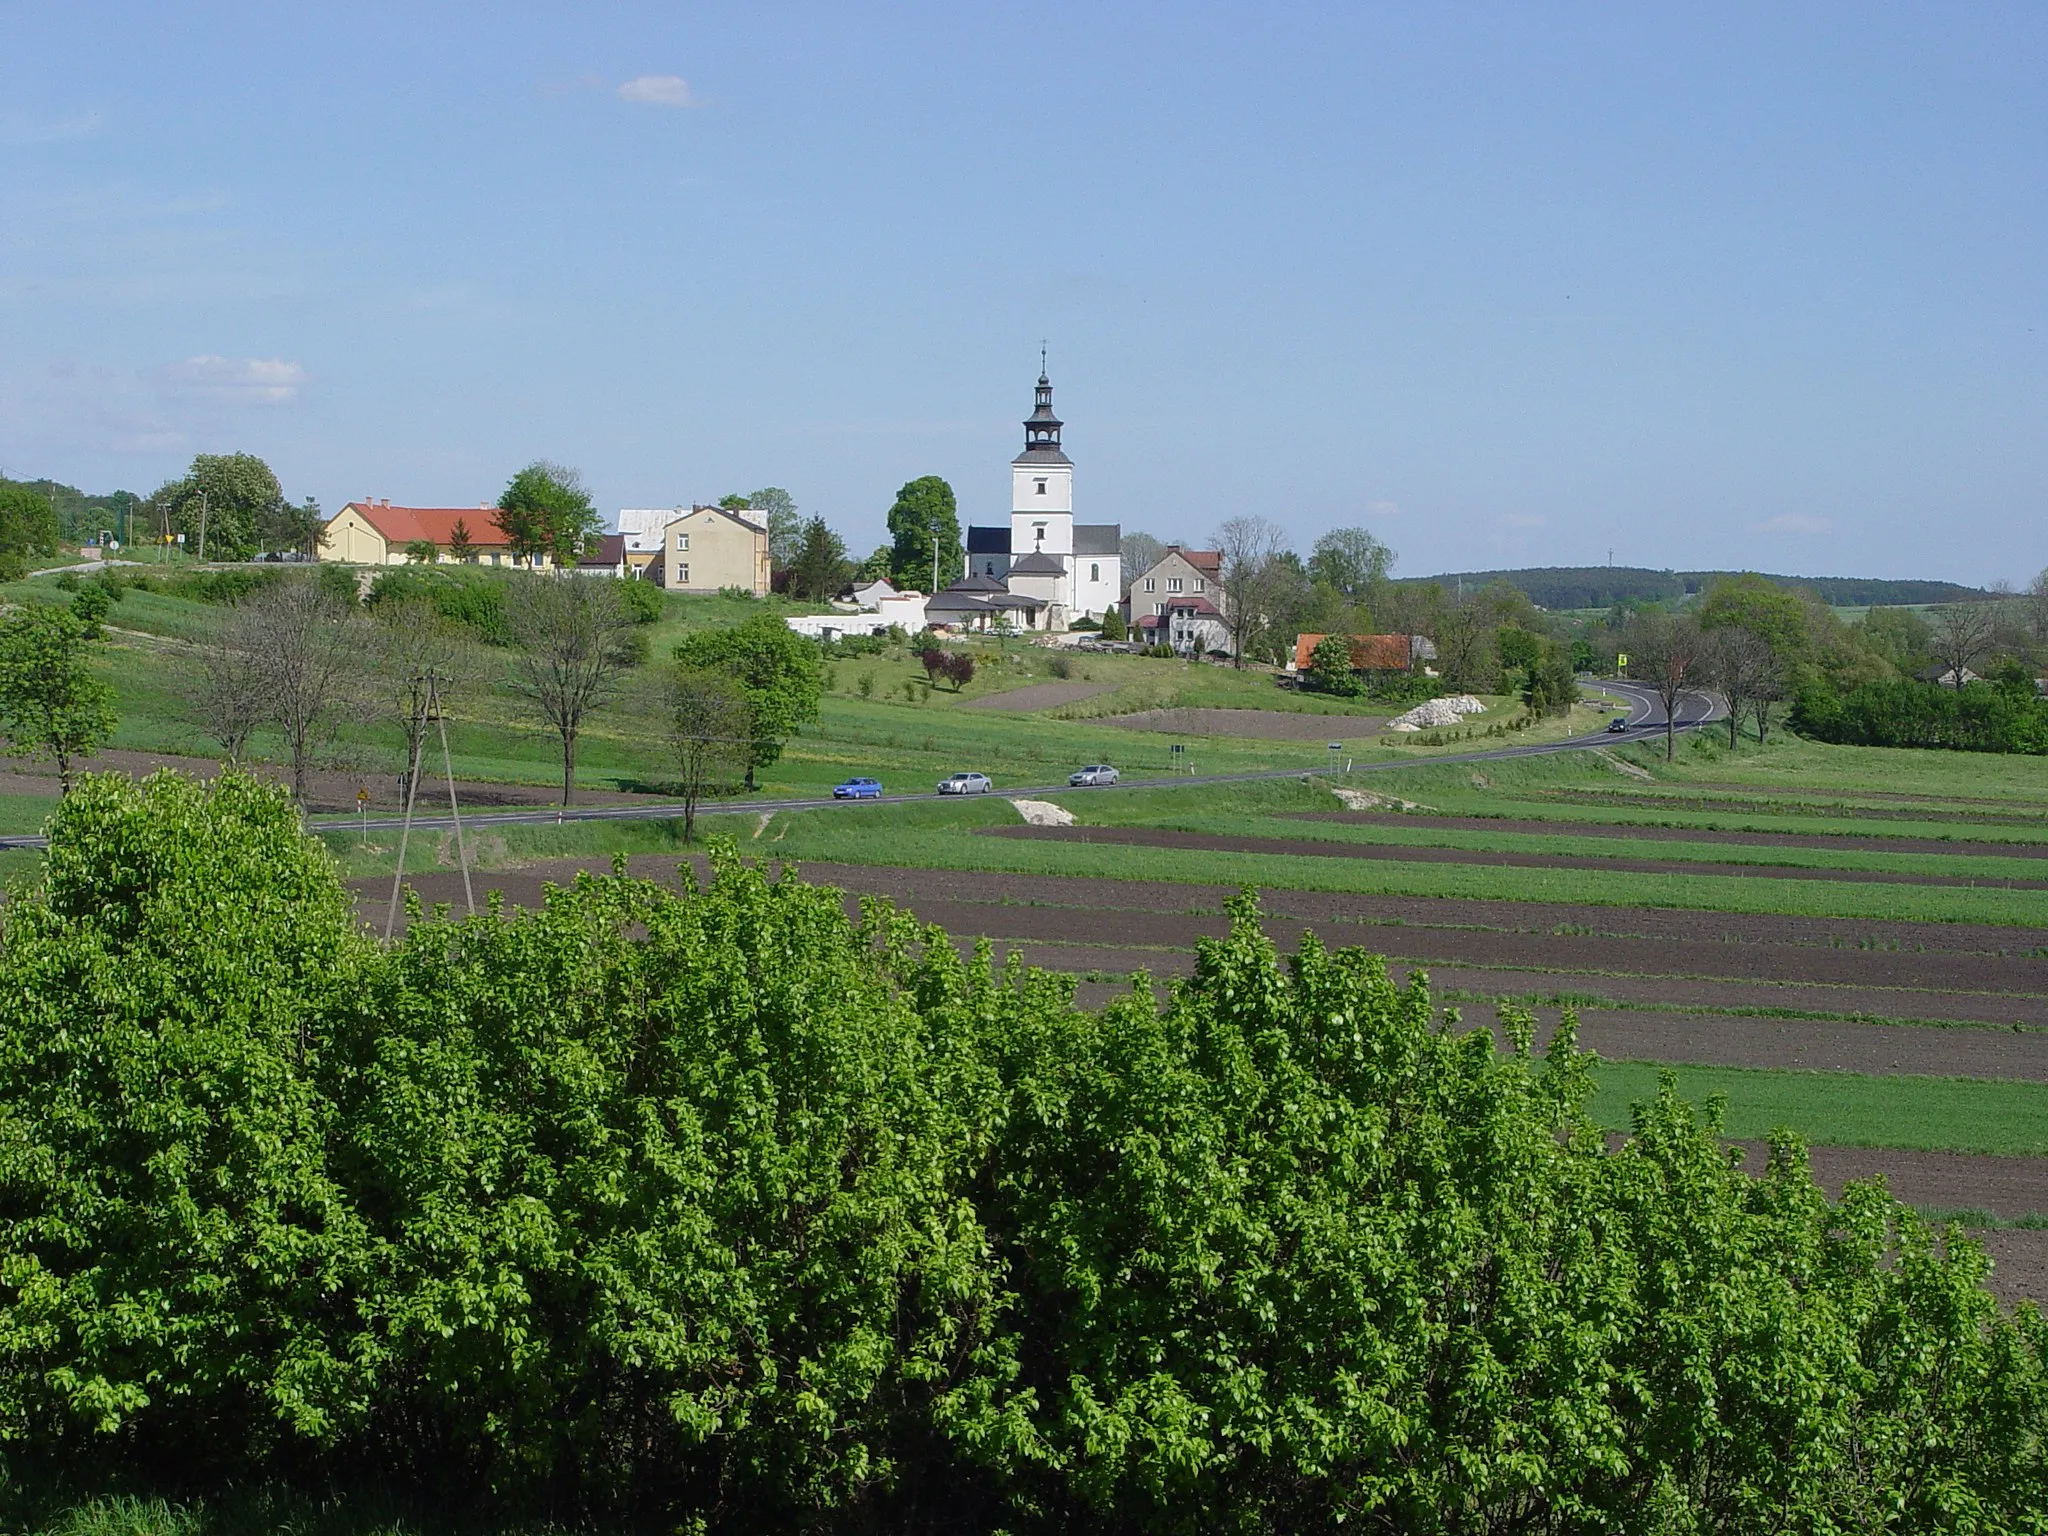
(1060, 569)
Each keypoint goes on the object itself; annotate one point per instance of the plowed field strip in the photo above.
(1844, 842)
(1210, 842)
(522, 887)
(1791, 805)
(2007, 1187)
(1976, 974)
(1734, 1040)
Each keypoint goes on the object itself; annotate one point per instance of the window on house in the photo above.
(1173, 583)
(1038, 532)
(682, 541)
(1094, 571)
(683, 575)
(1041, 487)
(1201, 585)
(1159, 609)
(1151, 585)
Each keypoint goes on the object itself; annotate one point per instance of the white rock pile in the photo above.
(1432, 714)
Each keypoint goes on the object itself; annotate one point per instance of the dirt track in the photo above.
(327, 789)
(1955, 847)
(1254, 724)
(1210, 842)
(1039, 696)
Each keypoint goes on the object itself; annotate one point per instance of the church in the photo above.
(1042, 569)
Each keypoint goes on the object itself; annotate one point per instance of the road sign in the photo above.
(1621, 661)
(362, 796)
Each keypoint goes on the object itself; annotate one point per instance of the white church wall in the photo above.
(1058, 495)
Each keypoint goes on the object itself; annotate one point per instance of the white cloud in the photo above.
(242, 380)
(19, 128)
(1796, 522)
(658, 91)
(1384, 508)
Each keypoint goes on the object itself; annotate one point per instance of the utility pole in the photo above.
(202, 527)
(430, 711)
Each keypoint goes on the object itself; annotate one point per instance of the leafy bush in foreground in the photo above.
(722, 1208)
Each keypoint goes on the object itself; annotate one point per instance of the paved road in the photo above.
(1645, 720)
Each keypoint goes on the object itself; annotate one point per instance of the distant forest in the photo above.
(1602, 586)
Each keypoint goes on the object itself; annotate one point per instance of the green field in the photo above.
(1953, 1114)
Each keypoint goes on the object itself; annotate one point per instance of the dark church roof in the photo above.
(1097, 538)
(988, 541)
(1038, 563)
(1042, 430)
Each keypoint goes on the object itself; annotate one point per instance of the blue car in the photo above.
(858, 789)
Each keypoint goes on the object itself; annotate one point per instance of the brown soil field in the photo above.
(1998, 802)
(1812, 1045)
(1039, 696)
(1844, 841)
(2007, 1187)
(1098, 928)
(327, 789)
(1166, 837)
(1789, 805)
(1328, 907)
(1975, 974)
(2020, 1262)
(1259, 724)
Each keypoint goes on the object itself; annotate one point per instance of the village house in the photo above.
(374, 532)
(708, 549)
(1178, 601)
(1370, 653)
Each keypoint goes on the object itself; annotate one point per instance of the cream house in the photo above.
(707, 549)
(375, 532)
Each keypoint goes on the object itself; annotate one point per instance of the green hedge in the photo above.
(1979, 717)
(720, 1210)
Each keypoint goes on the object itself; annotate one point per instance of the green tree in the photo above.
(1901, 636)
(710, 731)
(288, 528)
(574, 642)
(819, 568)
(460, 544)
(1329, 667)
(785, 528)
(1113, 627)
(779, 672)
(223, 505)
(28, 528)
(421, 552)
(924, 519)
(51, 704)
(547, 511)
(1352, 561)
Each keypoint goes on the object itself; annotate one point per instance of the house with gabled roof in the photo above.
(374, 532)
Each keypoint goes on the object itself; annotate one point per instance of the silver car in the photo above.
(1093, 774)
(965, 784)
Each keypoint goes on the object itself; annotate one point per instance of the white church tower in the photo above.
(1042, 485)
(1069, 571)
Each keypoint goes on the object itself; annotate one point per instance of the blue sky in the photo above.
(1727, 285)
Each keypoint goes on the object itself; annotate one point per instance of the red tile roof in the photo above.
(1369, 653)
(403, 525)
(1207, 561)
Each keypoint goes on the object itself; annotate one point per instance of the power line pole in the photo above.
(430, 711)
(202, 527)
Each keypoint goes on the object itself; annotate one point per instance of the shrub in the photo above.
(1980, 717)
(458, 594)
(642, 600)
(714, 1208)
(1060, 664)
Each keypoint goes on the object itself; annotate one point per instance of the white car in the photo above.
(1094, 773)
(965, 784)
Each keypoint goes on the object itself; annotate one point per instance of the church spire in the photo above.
(1042, 427)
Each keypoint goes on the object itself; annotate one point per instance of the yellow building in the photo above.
(377, 533)
(707, 549)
